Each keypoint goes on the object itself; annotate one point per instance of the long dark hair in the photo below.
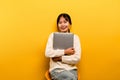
(67, 18)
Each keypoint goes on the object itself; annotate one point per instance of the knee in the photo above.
(66, 77)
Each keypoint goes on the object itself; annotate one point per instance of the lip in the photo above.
(63, 27)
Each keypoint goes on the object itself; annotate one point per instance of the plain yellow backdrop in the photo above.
(26, 24)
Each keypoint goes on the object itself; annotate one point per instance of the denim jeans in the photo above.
(62, 74)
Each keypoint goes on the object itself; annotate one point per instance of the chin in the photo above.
(64, 30)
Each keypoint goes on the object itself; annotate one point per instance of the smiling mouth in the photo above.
(63, 28)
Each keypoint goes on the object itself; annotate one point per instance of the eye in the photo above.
(65, 21)
(60, 22)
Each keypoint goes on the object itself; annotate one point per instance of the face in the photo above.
(63, 25)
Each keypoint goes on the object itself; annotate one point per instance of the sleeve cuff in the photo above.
(59, 52)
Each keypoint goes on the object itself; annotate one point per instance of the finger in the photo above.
(73, 51)
(72, 48)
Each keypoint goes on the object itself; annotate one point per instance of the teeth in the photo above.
(63, 27)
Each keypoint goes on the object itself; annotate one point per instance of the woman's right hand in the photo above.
(69, 51)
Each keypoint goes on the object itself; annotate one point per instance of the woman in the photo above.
(63, 62)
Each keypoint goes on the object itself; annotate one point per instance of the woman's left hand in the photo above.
(57, 58)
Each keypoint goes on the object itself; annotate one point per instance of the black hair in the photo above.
(67, 18)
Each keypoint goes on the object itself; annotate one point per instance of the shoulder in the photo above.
(51, 34)
(76, 37)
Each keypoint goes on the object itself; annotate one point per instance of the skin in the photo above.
(64, 26)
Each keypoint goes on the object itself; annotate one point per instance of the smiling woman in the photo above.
(26, 24)
(64, 22)
(63, 61)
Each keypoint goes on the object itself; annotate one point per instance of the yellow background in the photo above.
(26, 24)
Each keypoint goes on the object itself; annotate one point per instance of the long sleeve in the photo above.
(50, 52)
(73, 59)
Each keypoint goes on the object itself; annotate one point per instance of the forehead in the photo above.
(62, 19)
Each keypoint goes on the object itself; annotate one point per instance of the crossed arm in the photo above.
(69, 56)
(67, 52)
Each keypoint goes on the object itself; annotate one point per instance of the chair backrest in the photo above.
(47, 75)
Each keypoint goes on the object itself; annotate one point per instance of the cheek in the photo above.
(59, 25)
(67, 24)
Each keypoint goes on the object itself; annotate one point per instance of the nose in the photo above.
(62, 23)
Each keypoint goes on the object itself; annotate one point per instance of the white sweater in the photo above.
(68, 62)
